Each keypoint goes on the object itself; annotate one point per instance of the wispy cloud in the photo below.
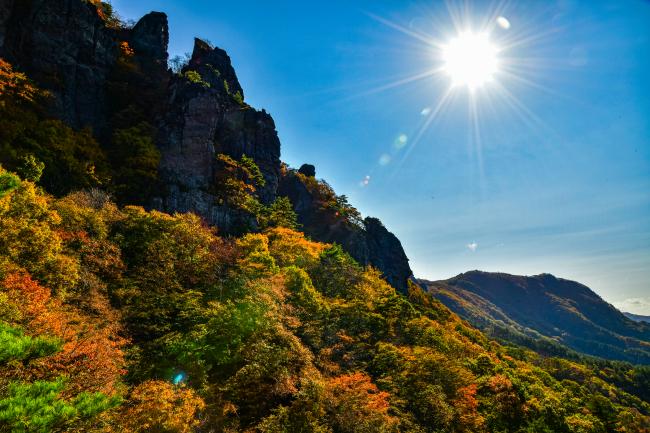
(634, 305)
(472, 247)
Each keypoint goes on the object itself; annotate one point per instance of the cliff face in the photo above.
(68, 48)
(6, 8)
(385, 252)
(368, 242)
(206, 117)
(150, 38)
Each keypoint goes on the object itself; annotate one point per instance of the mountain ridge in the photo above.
(637, 317)
(547, 309)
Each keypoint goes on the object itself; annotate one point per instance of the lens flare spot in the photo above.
(401, 141)
(384, 159)
(180, 377)
(503, 23)
(425, 111)
(365, 181)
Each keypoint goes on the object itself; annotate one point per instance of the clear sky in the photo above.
(551, 172)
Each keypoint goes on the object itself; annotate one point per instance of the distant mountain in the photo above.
(637, 317)
(549, 314)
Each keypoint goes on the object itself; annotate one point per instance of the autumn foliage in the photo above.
(15, 86)
(126, 320)
(357, 405)
(159, 406)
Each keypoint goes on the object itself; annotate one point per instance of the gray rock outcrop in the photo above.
(66, 47)
(202, 120)
(72, 51)
(308, 170)
(150, 37)
(369, 243)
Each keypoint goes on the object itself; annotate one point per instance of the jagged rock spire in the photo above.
(216, 65)
(150, 36)
(308, 170)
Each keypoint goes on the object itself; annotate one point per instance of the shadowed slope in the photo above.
(545, 312)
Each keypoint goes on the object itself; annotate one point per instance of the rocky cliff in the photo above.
(204, 117)
(70, 48)
(368, 241)
(67, 48)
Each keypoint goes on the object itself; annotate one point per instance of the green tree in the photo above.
(336, 273)
(8, 182)
(31, 168)
(40, 407)
(280, 213)
(15, 346)
(195, 77)
(135, 159)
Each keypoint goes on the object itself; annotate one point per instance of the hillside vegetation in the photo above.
(116, 318)
(127, 320)
(545, 313)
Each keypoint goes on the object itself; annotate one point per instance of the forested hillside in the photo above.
(127, 320)
(125, 309)
(545, 313)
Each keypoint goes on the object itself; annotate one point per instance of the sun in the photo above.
(470, 59)
(481, 60)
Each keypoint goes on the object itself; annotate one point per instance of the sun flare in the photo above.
(480, 60)
(470, 59)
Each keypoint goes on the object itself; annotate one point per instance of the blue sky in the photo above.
(553, 178)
